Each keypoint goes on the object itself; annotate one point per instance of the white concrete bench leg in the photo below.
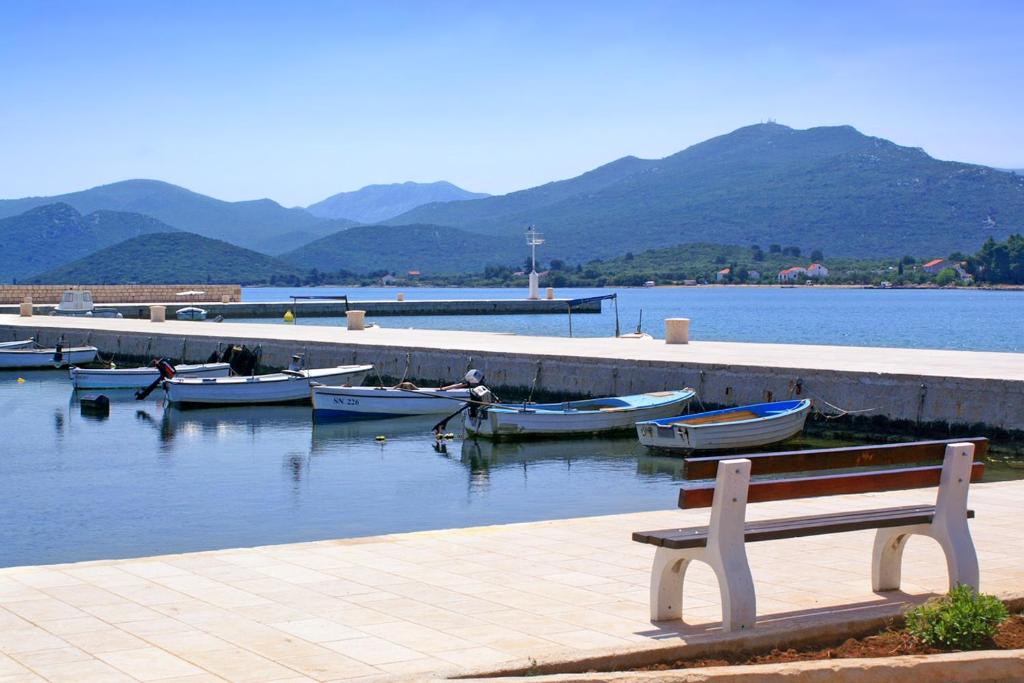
(725, 553)
(949, 527)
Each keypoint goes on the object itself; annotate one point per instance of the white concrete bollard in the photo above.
(225, 298)
(26, 309)
(677, 330)
(356, 320)
(400, 297)
(157, 314)
(551, 293)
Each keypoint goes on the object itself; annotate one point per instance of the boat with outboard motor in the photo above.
(35, 356)
(380, 403)
(138, 378)
(287, 386)
(487, 419)
(749, 426)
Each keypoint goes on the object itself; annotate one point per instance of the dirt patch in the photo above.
(885, 644)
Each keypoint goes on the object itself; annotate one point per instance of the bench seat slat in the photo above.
(795, 527)
(884, 455)
(702, 495)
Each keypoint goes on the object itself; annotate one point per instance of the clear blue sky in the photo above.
(298, 100)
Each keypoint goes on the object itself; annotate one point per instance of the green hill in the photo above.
(170, 257)
(375, 203)
(430, 249)
(48, 236)
(247, 223)
(831, 188)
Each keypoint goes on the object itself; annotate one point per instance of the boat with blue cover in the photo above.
(592, 416)
(732, 428)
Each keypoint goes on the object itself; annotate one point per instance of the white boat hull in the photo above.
(278, 387)
(498, 424)
(138, 378)
(724, 436)
(375, 403)
(19, 344)
(44, 358)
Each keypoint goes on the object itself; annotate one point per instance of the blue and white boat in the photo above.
(593, 416)
(732, 428)
(379, 403)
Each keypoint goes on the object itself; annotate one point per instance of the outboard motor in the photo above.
(58, 354)
(481, 397)
(298, 363)
(166, 370)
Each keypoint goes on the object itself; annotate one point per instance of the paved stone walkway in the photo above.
(430, 603)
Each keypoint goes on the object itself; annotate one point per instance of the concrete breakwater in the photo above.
(923, 386)
(104, 294)
(336, 308)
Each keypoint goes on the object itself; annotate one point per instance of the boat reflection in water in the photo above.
(482, 457)
(226, 421)
(334, 437)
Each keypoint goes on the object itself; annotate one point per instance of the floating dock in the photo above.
(963, 389)
(335, 308)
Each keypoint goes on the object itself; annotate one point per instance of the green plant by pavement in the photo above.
(962, 620)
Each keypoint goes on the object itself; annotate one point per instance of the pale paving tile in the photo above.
(41, 659)
(91, 671)
(75, 625)
(149, 663)
(45, 609)
(475, 657)
(241, 666)
(318, 630)
(374, 650)
(108, 640)
(14, 641)
(328, 666)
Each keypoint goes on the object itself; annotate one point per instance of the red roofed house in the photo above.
(817, 271)
(936, 265)
(792, 274)
(723, 274)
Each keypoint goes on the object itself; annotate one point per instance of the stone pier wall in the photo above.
(961, 401)
(117, 294)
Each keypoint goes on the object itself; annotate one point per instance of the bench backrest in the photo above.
(863, 481)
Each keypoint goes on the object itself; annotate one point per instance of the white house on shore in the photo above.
(817, 271)
(792, 274)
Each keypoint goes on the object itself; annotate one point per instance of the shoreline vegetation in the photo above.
(997, 265)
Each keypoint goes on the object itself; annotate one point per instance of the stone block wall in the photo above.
(119, 294)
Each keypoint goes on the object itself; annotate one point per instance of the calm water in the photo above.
(149, 479)
(940, 319)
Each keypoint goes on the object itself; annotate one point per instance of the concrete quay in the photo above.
(957, 387)
(546, 597)
(336, 308)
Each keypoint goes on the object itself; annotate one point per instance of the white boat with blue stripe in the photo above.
(750, 426)
(593, 416)
(381, 403)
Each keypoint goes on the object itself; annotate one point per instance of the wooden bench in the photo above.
(721, 544)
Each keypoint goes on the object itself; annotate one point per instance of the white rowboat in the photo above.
(139, 378)
(593, 416)
(750, 426)
(376, 403)
(279, 387)
(38, 357)
(19, 344)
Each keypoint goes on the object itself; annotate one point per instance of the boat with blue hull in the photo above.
(593, 416)
(749, 426)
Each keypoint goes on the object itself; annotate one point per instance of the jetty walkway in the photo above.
(560, 596)
(961, 388)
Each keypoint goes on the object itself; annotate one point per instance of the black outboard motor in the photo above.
(58, 354)
(166, 371)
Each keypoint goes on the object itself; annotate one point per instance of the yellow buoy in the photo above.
(289, 317)
(21, 380)
(380, 438)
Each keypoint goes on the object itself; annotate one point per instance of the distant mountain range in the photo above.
(48, 236)
(831, 188)
(430, 249)
(375, 203)
(170, 257)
